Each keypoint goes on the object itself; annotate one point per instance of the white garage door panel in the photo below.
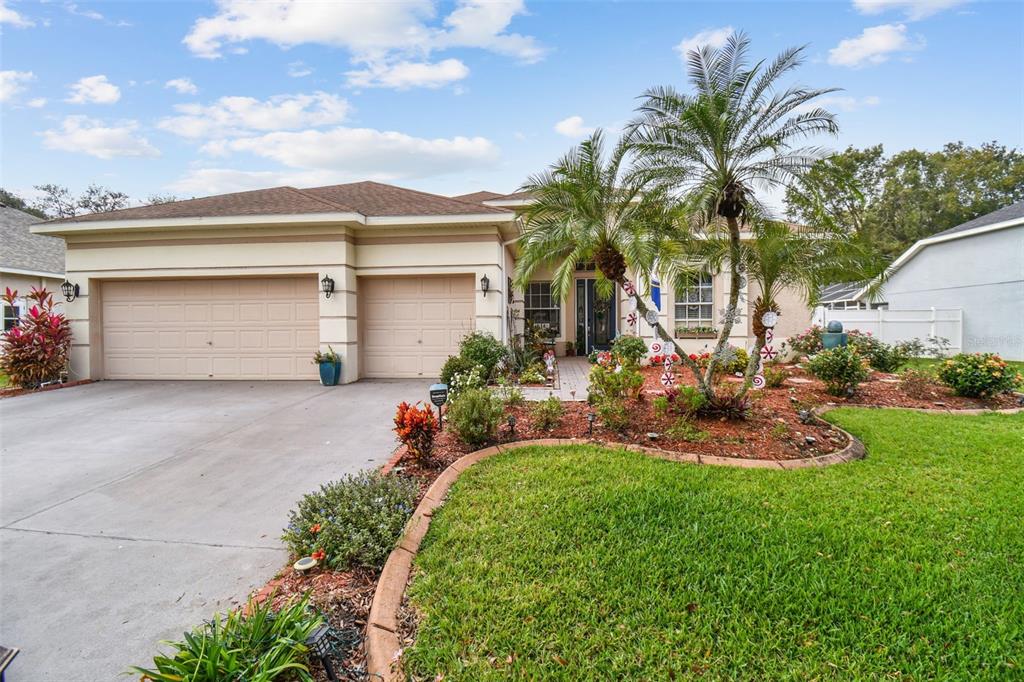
(410, 325)
(211, 329)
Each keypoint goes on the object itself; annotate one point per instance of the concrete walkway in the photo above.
(132, 511)
(571, 382)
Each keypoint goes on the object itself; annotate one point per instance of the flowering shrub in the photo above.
(631, 349)
(917, 384)
(465, 381)
(807, 343)
(660, 359)
(416, 427)
(354, 521)
(842, 369)
(740, 357)
(37, 349)
(978, 375)
(616, 382)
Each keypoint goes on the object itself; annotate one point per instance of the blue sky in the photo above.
(196, 98)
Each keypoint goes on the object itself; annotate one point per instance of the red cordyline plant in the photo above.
(416, 427)
(36, 351)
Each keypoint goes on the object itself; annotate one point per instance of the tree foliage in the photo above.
(14, 201)
(58, 202)
(897, 200)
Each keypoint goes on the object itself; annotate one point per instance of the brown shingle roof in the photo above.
(377, 199)
(273, 201)
(367, 198)
(477, 197)
(512, 197)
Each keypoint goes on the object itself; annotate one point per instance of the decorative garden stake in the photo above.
(768, 352)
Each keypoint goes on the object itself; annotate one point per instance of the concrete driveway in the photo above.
(130, 511)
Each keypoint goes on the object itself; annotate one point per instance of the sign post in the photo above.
(439, 396)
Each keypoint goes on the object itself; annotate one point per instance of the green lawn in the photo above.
(3, 379)
(582, 563)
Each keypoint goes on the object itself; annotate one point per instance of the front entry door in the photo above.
(595, 318)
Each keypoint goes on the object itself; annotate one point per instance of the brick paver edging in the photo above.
(382, 645)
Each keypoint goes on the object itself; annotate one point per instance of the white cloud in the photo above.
(184, 86)
(393, 34)
(873, 46)
(712, 37)
(37, 102)
(912, 9)
(95, 89)
(207, 181)
(10, 16)
(365, 152)
(844, 103)
(405, 75)
(573, 127)
(91, 136)
(299, 69)
(242, 115)
(74, 9)
(12, 82)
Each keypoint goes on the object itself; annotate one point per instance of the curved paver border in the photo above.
(382, 645)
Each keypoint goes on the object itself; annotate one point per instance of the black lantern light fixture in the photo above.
(590, 423)
(485, 285)
(69, 290)
(327, 286)
(319, 644)
(511, 423)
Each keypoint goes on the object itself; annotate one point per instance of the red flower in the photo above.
(315, 528)
(318, 555)
(693, 356)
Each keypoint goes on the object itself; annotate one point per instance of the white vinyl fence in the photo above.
(893, 326)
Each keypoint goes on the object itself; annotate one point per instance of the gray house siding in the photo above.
(981, 274)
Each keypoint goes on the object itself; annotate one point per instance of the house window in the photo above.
(12, 317)
(542, 309)
(695, 302)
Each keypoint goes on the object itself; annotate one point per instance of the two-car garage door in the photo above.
(246, 328)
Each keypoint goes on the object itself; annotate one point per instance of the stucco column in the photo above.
(86, 357)
(490, 306)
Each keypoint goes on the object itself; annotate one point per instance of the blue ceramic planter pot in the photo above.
(330, 373)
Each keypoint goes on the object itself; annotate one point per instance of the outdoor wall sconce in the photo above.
(485, 285)
(327, 286)
(69, 290)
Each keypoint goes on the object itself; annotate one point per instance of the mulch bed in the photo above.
(13, 391)
(773, 431)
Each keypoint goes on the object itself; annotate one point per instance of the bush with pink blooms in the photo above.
(36, 351)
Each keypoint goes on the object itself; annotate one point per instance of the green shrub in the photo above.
(455, 364)
(739, 362)
(511, 396)
(483, 350)
(917, 383)
(260, 646)
(547, 414)
(533, 375)
(619, 382)
(629, 349)
(882, 356)
(978, 375)
(842, 369)
(613, 413)
(475, 415)
(354, 521)
(774, 377)
(681, 401)
(684, 429)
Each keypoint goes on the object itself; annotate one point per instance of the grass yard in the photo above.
(582, 563)
(3, 379)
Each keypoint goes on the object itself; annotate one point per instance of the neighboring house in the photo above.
(27, 261)
(842, 296)
(977, 267)
(694, 313)
(231, 286)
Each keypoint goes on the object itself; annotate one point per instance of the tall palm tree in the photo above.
(590, 206)
(738, 131)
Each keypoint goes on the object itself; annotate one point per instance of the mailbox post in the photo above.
(439, 396)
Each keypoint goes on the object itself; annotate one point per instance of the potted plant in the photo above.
(330, 366)
(570, 349)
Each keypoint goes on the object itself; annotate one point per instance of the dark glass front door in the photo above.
(595, 318)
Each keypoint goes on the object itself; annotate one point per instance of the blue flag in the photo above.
(656, 292)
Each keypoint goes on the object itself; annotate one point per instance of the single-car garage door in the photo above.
(246, 328)
(410, 325)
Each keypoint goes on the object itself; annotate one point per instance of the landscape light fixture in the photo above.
(319, 643)
(590, 423)
(485, 285)
(327, 286)
(511, 423)
(69, 290)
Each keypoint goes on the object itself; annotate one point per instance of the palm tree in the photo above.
(590, 206)
(738, 131)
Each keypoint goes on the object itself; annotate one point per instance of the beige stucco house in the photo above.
(232, 286)
(27, 261)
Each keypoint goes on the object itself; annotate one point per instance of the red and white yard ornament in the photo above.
(668, 379)
(656, 348)
(632, 319)
(768, 352)
(628, 287)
